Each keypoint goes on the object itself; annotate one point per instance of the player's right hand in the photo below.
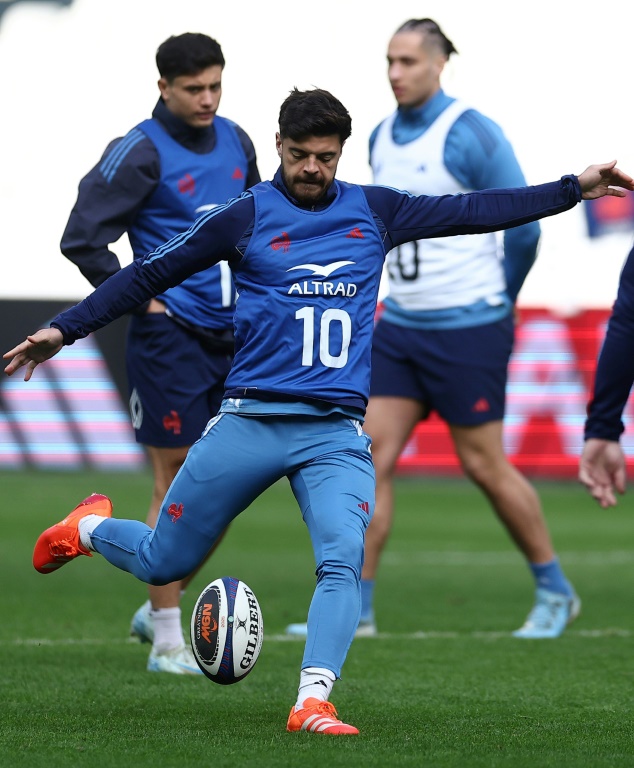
(602, 470)
(37, 348)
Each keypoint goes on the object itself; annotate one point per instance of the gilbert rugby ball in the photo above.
(226, 630)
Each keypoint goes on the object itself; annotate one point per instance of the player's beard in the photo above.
(305, 191)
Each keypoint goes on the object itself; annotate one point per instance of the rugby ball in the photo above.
(226, 630)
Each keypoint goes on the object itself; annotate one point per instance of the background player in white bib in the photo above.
(444, 340)
(306, 251)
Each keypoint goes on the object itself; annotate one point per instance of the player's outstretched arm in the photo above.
(602, 470)
(37, 348)
(606, 179)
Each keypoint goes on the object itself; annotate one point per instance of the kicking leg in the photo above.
(389, 422)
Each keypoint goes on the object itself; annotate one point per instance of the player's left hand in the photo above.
(37, 348)
(602, 470)
(606, 179)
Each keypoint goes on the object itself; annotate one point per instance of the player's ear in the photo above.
(278, 145)
(439, 64)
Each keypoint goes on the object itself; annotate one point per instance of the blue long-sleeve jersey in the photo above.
(115, 191)
(479, 156)
(386, 219)
(615, 368)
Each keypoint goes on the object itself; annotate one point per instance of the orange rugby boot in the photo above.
(318, 717)
(60, 543)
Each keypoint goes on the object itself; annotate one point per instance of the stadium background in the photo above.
(83, 72)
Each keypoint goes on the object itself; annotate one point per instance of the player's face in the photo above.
(194, 98)
(309, 166)
(413, 70)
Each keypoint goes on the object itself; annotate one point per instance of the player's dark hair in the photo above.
(430, 31)
(313, 113)
(188, 54)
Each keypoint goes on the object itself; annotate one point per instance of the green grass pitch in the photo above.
(443, 685)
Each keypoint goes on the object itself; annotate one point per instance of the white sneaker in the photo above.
(142, 624)
(178, 661)
(365, 629)
(550, 616)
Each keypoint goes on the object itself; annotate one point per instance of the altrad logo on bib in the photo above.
(322, 287)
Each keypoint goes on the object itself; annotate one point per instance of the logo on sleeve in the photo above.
(205, 208)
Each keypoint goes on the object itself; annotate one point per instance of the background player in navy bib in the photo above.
(307, 252)
(445, 337)
(152, 184)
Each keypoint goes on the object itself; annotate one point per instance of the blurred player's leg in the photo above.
(389, 422)
(176, 386)
(158, 621)
(517, 505)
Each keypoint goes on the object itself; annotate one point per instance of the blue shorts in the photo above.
(460, 373)
(176, 382)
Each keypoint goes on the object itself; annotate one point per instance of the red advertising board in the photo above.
(73, 412)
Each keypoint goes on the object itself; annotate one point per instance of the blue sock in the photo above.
(367, 600)
(551, 577)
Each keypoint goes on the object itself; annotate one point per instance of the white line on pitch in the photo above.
(587, 633)
(592, 633)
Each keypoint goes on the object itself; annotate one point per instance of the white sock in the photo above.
(168, 632)
(314, 682)
(86, 526)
